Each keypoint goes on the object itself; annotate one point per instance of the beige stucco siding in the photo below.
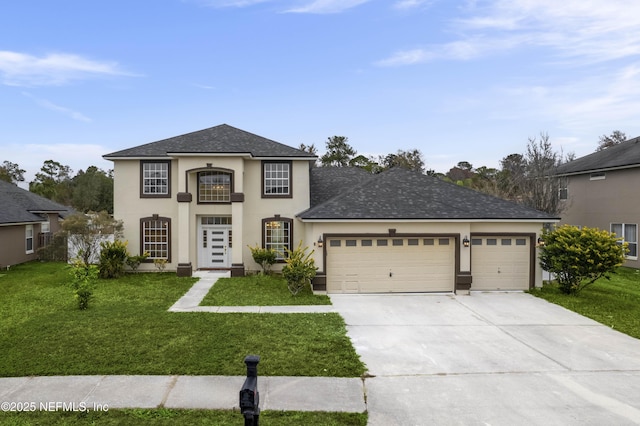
(313, 230)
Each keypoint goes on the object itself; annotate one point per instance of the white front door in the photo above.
(214, 246)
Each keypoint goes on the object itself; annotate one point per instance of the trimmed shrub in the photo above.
(264, 257)
(113, 258)
(579, 257)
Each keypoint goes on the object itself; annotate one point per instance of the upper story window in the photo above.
(563, 188)
(629, 234)
(214, 187)
(276, 179)
(155, 179)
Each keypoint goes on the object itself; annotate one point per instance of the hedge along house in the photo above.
(199, 200)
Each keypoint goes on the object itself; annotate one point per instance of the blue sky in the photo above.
(459, 80)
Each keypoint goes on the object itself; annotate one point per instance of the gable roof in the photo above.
(623, 155)
(222, 139)
(22, 206)
(403, 194)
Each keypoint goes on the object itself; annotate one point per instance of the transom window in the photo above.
(155, 179)
(276, 179)
(214, 187)
(629, 234)
(277, 235)
(155, 235)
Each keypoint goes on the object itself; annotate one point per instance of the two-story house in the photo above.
(199, 200)
(600, 190)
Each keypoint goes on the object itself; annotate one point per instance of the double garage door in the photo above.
(419, 264)
(383, 265)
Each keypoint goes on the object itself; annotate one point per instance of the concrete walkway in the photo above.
(195, 392)
(190, 302)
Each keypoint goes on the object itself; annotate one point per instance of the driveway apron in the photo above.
(490, 359)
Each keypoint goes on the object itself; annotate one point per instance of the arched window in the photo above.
(214, 186)
(277, 234)
(155, 237)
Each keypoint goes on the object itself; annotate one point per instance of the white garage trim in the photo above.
(501, 261)
(375, 263)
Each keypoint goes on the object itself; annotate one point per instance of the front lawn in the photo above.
(161, 416)
(128, 330)
(615, 302)
(259, 290)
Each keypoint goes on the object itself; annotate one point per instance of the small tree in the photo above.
(264, 257)
(83, 281)
(579, 257)
(86, 232)
(299, 270)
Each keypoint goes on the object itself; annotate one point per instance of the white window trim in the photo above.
(624, 225)
(28, 236)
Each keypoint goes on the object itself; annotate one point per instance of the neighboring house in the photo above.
(27, 221)
(199, 200)
(600, 190)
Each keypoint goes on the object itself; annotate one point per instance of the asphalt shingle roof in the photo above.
(327, 182)
(20, 205)
(402, 194)
(625, 154)
(219, 139)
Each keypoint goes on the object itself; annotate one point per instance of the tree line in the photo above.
(526, 178)
(89, 190)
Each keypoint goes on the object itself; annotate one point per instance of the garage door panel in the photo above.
(402, 265)
(500, 263)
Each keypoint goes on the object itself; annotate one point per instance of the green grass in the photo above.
(135, 417)
(128, 330)
(614, 303)
(259, 290)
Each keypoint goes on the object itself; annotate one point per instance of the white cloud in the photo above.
(57, 108)
(327, 6)
(410, 4)
(586, 31)
(54, 69)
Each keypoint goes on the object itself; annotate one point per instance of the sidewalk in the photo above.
(191, 300)
(195, 392)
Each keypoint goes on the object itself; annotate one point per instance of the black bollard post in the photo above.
(249, 395)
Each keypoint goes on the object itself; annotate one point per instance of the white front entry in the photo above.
(214, 246)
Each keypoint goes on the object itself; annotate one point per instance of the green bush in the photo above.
(263, 257)
(113, 258)
(299, 270)
(83, 281)
(134, 261)
(579, 257)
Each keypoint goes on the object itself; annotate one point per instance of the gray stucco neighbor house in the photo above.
(24, 217)
(600, 190)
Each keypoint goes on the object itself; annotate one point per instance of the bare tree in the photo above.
(608, 141)
(541, 185)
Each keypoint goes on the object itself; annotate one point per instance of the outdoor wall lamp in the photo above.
(540, 241)
(465, 241)
(319, 242)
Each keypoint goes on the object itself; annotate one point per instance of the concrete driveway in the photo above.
(490, 359)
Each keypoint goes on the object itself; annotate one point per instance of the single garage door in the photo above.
(500, 262)
(383, 265)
